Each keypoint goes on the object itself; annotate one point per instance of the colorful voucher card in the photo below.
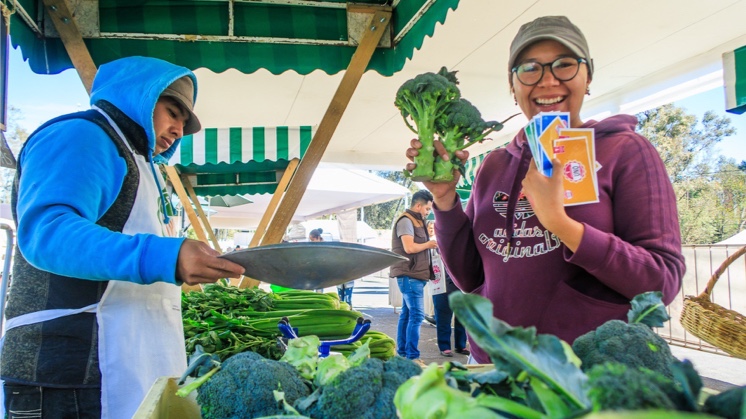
(545, 129)
(578, 170)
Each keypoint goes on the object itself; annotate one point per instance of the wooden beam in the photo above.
(200, 213)
(359, 62)
(247, 282)
(276, 197)
(64, 22)
(173, 176)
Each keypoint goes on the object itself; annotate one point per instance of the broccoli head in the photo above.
(365, 391)
(423, 100)
(635, 345)
(615, 386)
(461, 121)
(243, 388)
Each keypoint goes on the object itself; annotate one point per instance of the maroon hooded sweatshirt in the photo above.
(631, 243)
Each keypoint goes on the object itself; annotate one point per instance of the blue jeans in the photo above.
(443, 316)
(411, 317)
(345, 294)
(46, 402)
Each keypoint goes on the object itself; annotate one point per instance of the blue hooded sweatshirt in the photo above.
(72, 173)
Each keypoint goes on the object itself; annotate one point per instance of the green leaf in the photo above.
(648, 308)
(553, 405)
(541, 356)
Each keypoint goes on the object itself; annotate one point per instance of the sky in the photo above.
(42, 97)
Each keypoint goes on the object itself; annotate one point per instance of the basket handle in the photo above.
(719, 271)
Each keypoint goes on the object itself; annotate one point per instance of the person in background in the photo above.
(89, 331)
(315, 235)
(443, 313)
(409, 238)
(563, 270)
(345, 292)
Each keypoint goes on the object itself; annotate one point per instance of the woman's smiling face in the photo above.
(550, 94)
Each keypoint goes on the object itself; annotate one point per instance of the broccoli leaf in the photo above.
(303, 354)
(648, 308)
(540, 356)
(690, 382)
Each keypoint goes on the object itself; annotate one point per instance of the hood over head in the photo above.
(134, 84)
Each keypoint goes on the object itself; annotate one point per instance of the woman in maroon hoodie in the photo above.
(564, 270)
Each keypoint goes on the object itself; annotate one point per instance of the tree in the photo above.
(380, 216)
(16, 136)
(710, 190)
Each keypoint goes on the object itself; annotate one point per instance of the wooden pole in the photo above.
(200, 213)
(276, 197)
(72, 39)
(173, 176)
(245, 281)
(379, 20)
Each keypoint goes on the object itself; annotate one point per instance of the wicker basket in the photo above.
(723, 328)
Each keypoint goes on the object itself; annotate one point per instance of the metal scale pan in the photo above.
(312, 265)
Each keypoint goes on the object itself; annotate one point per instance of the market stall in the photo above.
(330, 36)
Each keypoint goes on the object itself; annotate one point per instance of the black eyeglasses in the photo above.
(530, 73)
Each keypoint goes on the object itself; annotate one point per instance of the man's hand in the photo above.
(198, 263)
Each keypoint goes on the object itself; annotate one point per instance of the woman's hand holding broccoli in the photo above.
(444, 194)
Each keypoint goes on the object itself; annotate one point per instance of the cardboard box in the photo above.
(161, 402)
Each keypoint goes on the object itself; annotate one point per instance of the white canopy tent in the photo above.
(331, 190)
(736, 239)
(646, 54)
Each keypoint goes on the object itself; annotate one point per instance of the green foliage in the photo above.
(380, 216)
(16, 135)
(710, 190)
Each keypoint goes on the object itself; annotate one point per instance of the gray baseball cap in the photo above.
(557, 28)
(182, 90)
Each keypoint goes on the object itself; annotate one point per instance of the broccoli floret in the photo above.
(365, 391)
(461, 121)
(396, 371)
(424, 99)
(635, 345)
(614, 386)
(730, 404)
(243, 388)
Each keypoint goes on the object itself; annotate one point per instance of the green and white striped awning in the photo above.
(463, 187)
(238, 161)
(734, 75)
(247, 35)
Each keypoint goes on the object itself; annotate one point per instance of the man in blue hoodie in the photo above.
(94, 311)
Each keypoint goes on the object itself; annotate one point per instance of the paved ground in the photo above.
(370, 297)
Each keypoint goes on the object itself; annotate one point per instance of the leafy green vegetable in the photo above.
(429, 396)
(329, 368)
(518, 350)
(648, 308)
(303, 354)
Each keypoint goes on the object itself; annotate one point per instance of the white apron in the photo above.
(140, 331)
